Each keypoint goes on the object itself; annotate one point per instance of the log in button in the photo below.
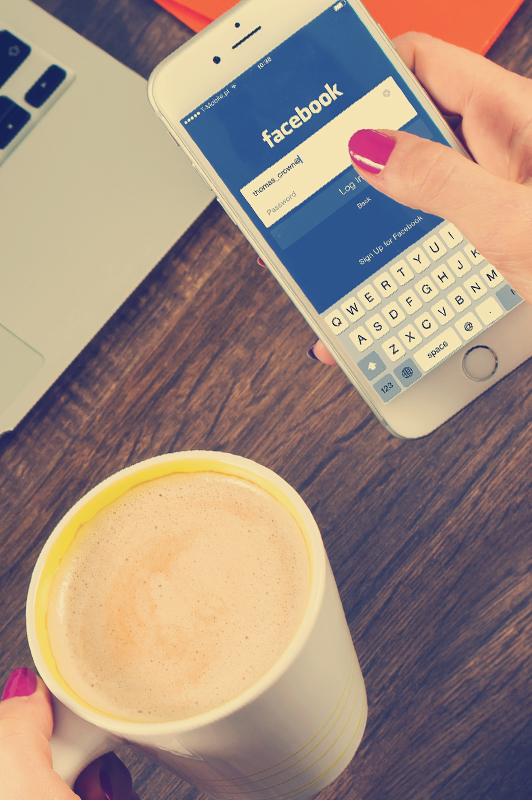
(438, 349)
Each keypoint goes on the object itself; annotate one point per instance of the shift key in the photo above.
(437, 349)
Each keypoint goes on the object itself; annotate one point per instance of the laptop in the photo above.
(93, 193)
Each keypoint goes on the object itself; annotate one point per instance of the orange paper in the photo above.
(466, 23)
(189, 16)
(210, 8)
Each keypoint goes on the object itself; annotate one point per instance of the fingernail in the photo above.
(310, 351)
(21, 683)
(105, 783)
(370, 150)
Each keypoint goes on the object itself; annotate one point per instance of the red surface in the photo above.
(189, 16)
(467, 23)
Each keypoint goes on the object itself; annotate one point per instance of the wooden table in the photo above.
(430, 540)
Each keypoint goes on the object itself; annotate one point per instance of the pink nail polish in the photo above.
(21, 683)
(105, 783)
(370, 150)
(310, 351)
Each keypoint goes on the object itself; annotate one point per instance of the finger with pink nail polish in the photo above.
(370, 150)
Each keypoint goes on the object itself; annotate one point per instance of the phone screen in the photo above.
(400, 289)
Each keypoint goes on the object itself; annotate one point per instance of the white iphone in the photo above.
(264, 102)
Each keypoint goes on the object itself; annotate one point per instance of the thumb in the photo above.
(26, 723)
(492, 213)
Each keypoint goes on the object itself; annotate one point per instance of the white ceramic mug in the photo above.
(286, 737)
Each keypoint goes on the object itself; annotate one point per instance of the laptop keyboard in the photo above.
(413, 314)
(30, 83)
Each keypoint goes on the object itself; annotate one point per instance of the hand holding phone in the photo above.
(417, 317)
(491, 205)
(490, 201)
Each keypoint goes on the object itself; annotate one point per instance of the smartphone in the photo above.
(264, 102)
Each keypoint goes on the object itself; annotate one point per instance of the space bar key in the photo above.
(437, 349)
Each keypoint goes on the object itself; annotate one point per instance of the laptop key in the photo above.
(6, 106)
(12, 119)
(13, 52)
(45, 86)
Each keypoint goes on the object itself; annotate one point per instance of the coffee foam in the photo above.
(178, 596)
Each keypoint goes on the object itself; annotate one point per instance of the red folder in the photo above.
(466, 23)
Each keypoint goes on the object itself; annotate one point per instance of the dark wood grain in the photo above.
(430, 541)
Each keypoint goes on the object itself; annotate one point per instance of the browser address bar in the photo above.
(324, 155)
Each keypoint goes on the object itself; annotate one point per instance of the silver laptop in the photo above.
(92, 194)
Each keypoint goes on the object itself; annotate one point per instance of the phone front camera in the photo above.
(237, 24)
(217, 59)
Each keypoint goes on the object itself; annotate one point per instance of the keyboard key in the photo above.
(489, 310)
(426, 324)
(442, 312)
(435, 247)
(12, 120)
(371, 366)
(432, 301)
(468, 326)
(443, 277)
(410, 337)
(385, 285)
(490, 275)
(426, 290)
(451, 235)
(410, 302)
(393, 314)
(377, 326)
(475, 286)
(459, 264)
(6, 106)
(352, 309)
(369, 297)
(401, 272)
(459, 299)
(42, 89)
(508, 297)
(361, 338)
(336, 322)
(393, 348)
(387, 388)
(418, 260)
(13, 52)
(473, 255)
(407, 373)
(438, 349)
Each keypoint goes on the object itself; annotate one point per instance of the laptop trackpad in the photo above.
(19, 363)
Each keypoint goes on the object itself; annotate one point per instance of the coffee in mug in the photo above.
(137, 588)
(178, 596)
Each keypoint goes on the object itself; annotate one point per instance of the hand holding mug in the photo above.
(283, 721)
(26, 723)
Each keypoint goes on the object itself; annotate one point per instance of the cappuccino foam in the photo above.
(178, 596)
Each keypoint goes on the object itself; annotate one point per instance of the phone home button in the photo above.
(480, 363)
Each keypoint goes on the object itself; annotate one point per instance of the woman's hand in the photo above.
(490, 201)
(26, 724)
